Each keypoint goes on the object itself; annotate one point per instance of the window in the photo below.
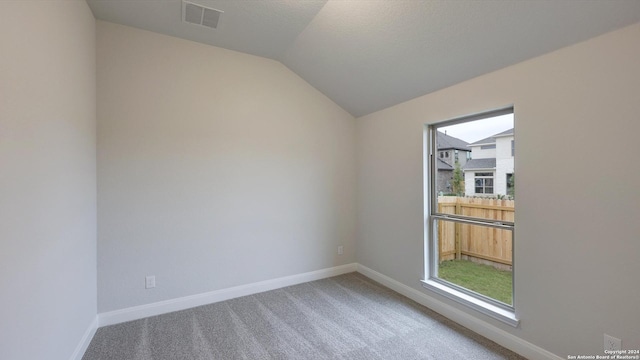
(446, 154)
(513, 148)
(484, 183)
(469, 240)
(456, 155)
(510, 185)
(487, 147)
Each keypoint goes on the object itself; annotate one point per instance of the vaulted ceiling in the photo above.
(367, 55)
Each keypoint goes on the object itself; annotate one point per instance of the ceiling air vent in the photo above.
(200, 15)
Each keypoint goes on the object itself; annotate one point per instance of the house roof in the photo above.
(475, 164)
(492, 139)
(444, 166)
(445, 141)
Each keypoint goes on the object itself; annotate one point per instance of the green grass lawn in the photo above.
(483, 279)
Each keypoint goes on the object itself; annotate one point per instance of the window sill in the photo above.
(506, 316)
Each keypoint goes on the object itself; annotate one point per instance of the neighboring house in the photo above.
(491, 168)
(450, 150)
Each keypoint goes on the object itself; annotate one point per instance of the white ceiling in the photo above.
(367, 55)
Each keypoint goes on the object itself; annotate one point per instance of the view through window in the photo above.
(472, 203)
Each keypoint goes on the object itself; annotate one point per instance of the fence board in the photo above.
(487, 243)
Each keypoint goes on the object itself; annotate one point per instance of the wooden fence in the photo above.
(465, 241)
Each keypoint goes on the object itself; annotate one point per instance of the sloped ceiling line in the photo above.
(367, 55)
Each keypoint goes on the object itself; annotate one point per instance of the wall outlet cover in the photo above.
(611, 343)
(149, 282)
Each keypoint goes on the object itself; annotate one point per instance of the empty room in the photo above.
(319, 179)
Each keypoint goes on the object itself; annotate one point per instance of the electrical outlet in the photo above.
(340, 250)
(611, 343)
(150, 282)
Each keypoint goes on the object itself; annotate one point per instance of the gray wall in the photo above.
(47, 178)
(215, 168)
(576, 237)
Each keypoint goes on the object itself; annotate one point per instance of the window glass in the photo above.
(477, 258)
(470, 231)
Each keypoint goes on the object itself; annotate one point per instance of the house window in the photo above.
(488, 147)
(469, 241)
(513, 148)
(456, 155)
(484, 183)
(441, 155)
(510, 185)
(446, 154)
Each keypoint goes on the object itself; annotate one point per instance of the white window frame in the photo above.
(484, 183)
(483, 304)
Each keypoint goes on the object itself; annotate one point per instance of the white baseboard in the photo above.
(167, 306)
(85, 341)
(509, 341)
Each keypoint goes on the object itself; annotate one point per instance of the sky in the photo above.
(479, 129)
